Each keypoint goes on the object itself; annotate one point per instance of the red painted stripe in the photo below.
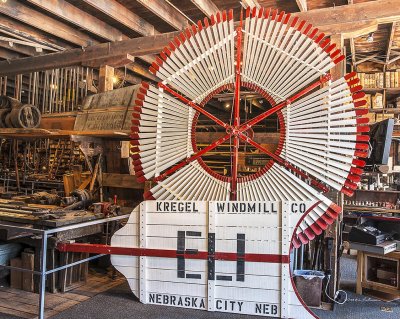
(167, 253)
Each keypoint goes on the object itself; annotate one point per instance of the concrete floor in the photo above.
(119, 303)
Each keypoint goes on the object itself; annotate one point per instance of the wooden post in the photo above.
(333, 230)
(106, 78)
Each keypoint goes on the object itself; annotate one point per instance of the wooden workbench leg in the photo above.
(360, 271)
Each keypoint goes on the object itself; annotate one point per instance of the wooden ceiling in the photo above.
(36, 27)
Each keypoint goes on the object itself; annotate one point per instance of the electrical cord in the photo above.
(336, 294)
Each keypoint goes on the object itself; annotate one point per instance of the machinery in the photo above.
(199, 240)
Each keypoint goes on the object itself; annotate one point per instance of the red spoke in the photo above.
(283, 162)
(193, 157)
(236, 113)
(194, 105)
(281, 105)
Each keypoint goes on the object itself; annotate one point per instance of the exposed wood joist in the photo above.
(115, 62)
(14, 32)
(206, 6)
(139, 46)
(8, 54)
(353, 53)
(166, 12)
(250, 3)
(368, 58)
(72, 14)
(29, 51)
(23, 13)
(119, 13)
(302, 4)
(390, 41)
(393, 60)
(380, 10)
(344, 19)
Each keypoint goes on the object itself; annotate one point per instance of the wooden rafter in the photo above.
(390, 41)
(369, 58)
(206, 6)
(166, 12)
(136, 47)
(302, 4)
(119, 13)
(250, 3)
(76, 16)
(376, 11)
(43, 22)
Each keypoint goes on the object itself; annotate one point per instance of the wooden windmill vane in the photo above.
(202, 240)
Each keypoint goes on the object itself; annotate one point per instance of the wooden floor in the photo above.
(25, 304)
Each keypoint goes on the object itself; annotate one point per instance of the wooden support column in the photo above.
(333, 231)
(106, 78)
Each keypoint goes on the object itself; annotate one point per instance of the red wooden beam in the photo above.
(193, 105)
(236, 111)
(168, 253)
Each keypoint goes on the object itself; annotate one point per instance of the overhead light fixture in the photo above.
(115, 79)
(227, 105)
(370, 37)
(3, 1)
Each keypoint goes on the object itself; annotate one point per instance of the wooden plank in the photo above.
(23, 13)
(80, 18)
(251, 3)
(166, 12)
(390, 41)
(136, 46)
(106, 78)
(68, 180)
(302, 4)
(16, 276)
(124, 16)
(121, 181)
(343, 19)
(206, 6)
(28, 261)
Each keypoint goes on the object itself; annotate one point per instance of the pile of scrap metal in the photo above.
(15, 114)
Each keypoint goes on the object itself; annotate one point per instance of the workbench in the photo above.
(64, 280)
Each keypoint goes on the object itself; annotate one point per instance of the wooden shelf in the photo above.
(368, 209)
(55, 133)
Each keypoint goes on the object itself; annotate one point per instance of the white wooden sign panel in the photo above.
(216, 256)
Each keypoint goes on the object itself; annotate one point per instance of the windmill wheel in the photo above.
(287, 62)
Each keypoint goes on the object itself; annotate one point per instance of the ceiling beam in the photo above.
(374, 10)
(139, 46)
(302, 4)
(29, 51)
(368, 58)
(8, 54)
(342, 19)
(23, 13)
(119, 13)
(250, 3)
(166, 12)
(390, 41)
(206, 6)
(82, 19)
(393, 60)
(17, 31)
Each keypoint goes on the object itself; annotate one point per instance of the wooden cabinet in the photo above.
(379, 273)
